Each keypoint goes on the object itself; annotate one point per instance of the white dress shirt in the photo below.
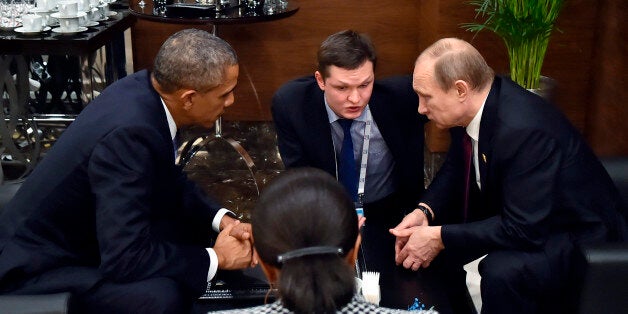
(379, 181)
(213, 258)
(473, 129)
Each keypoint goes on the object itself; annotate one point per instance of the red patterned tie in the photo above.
(467, 150)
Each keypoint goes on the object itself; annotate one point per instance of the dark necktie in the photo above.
(467, 153)
(175, 144)
(347, 172)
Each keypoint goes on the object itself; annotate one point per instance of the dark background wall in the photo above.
(586, 57)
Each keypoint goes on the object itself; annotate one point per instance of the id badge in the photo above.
(359, 211)
(359, 205)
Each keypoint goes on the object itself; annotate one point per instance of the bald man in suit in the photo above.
(519, 185)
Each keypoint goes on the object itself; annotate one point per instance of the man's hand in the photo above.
(422, 245)
(361, 221)
(225, 221)
(242, 231)
(401, 238)
(415, 218)
(232, 252)
(406, 227)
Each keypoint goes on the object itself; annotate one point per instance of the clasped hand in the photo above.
(416, 243)
(234, 246)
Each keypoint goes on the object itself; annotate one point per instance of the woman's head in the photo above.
(305, 208)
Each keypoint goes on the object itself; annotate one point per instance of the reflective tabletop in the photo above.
(49, 42)
(190, 12)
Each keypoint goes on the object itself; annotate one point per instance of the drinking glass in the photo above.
(159, 7)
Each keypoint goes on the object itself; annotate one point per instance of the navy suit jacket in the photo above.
(304, 132)
(108, 196)
(539, 180)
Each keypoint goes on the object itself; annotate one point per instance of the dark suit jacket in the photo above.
(304, 133)
(539, 180)
(109, 196)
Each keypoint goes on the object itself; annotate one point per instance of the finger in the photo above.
(252, 260)
(229, 227)
(426, 264)
(242, 231)
(403, 233)
(239, 234)
(416, 266)
(399, 244)
(407, 263)
(361, 221)
(255, 258)
(403, 255)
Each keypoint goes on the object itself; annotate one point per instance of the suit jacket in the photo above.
(109, 196)
(305, 139)
(539, 180)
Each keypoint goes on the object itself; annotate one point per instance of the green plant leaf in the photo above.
(525, 26)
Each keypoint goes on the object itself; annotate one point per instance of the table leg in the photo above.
(115, 66)
(86, 62)
(20, 136)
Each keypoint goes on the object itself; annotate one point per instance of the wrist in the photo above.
(428, 213)
(227, 219)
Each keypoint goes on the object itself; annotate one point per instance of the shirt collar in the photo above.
(473, 129)
(332, 116)
(171, 125)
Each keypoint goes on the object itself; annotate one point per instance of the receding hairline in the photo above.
(443, 47)
(451, 59)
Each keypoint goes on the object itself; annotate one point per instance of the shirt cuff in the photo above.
(213, 264)
(218, 218)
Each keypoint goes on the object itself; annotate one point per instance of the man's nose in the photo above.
(422, 109)
(354, 96)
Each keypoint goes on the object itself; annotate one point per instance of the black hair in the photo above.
(301, 208)
(347, 49)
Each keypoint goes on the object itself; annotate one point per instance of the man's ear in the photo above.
(186, 98)
(462, 89)
(320, 80)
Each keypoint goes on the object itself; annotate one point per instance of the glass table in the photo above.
(21, 138)
(207, 14)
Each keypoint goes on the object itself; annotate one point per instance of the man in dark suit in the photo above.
(107, 215)
(527, 190)
(386, 130)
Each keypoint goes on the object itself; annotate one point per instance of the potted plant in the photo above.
(525, 26)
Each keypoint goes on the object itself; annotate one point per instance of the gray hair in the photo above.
(193, 58)
(456, 59)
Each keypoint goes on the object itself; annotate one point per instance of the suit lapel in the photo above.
(487, 130)
(316, 115)
(383, 118)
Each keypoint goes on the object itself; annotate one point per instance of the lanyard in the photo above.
(364, 157)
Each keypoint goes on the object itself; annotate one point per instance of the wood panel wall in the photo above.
(607, 124)
(587, 58)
